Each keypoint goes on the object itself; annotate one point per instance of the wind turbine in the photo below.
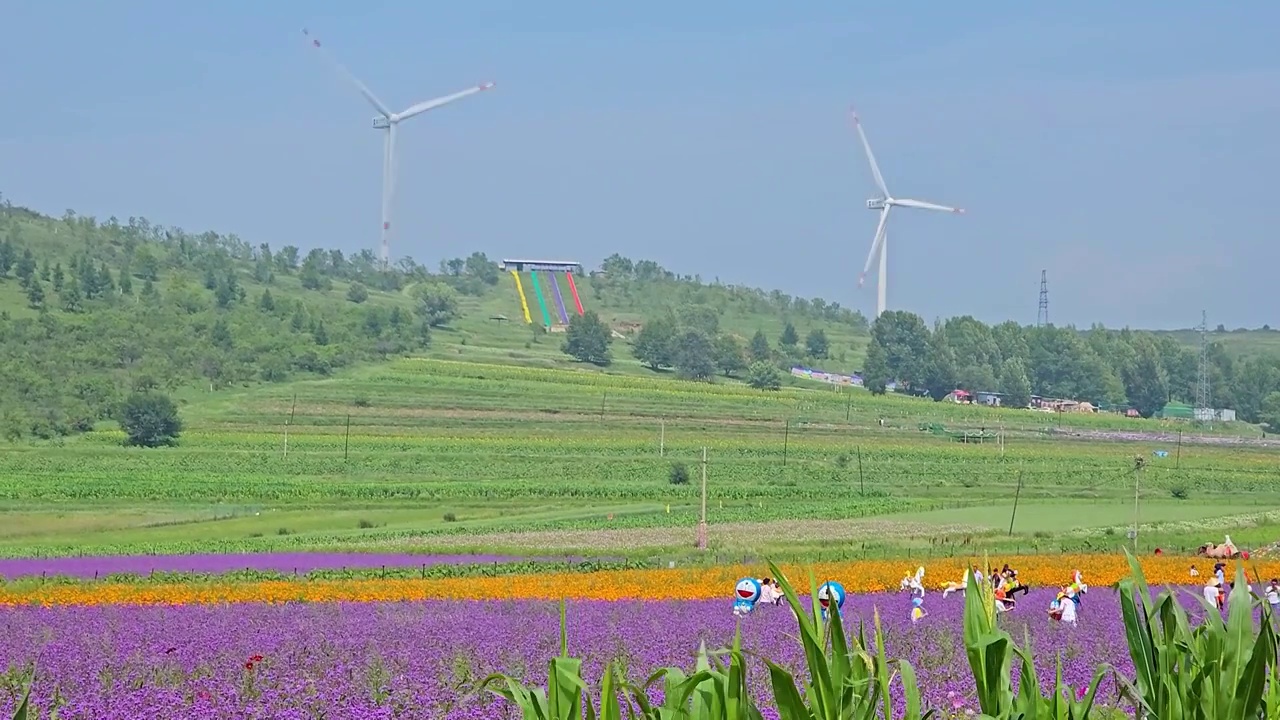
(884, 203)
(387, 122)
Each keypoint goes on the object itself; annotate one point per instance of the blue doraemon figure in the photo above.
(831, 591)
(745, 595)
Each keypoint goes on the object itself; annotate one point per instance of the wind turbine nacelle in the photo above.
(875, 204)
(381, 123)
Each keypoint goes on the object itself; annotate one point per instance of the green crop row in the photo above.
(424, 571)
(428, 384)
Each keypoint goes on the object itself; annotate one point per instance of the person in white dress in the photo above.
(1212, 590)
(1068, 608)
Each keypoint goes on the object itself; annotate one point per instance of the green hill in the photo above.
(91, 310)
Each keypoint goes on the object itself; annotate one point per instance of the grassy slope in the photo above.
(467, 455)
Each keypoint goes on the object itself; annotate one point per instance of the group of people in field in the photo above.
(1006, 587)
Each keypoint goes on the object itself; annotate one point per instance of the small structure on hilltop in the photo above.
(549, 268)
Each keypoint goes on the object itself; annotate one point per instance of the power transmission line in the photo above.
(1202, 385)
(1042, 315)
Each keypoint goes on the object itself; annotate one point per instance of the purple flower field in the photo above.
(301, 562)
(415, 660)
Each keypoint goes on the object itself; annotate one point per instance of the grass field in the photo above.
(429, 454)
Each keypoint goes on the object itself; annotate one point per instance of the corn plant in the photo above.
(566, 691)
(1217, 671)
(21, 712)
(715, 691)
(990, 651)
(846, 682)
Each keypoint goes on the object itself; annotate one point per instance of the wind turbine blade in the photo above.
(875, 169)
(433, 104)
(927, 206)
(366, 92)
(875, 244)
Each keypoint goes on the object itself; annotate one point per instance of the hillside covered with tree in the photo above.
(1129, 368)
(92, 311)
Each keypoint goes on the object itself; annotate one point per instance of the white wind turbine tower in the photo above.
(387, 122)
(884, 203)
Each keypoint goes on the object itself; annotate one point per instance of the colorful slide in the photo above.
(542, 302)
(524, 304)
(555, 290)
(573, 290)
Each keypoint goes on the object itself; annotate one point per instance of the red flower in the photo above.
(248, 666)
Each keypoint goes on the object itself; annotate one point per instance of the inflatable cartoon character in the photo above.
(831, 591)
(917, 609)
(745, 595)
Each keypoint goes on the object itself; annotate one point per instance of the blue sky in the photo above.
(1128, 148)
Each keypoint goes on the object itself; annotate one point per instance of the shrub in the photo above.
(679, 474)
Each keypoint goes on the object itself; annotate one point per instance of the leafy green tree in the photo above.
(266, 303)
(26, 266)
(437, 304)
(759, 349)
(789, 338)
(8, 256)
(815, 343)
(150, 419)
(72, 301)
(319, 334)
(1014, 384)
(695, 357)
(59, 278)
(1147, 388)
(703, 318)
(876, 374)
(764, 376)
(220, 335)
(904, 339)
(1270, 412)
(655, 344)
(587, 339)
(479, 266)
(729, 357)
(357, 293)
(145, 265)
(35, 293)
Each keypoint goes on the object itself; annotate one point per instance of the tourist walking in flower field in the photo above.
(1273, 595)
(1213, 593)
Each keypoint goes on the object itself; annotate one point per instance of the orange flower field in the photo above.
(678, 584)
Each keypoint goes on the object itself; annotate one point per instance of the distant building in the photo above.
(1215, 415)
(826, 377)
(993, 399)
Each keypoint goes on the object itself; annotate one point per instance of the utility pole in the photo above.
(862, 483)
(1042, 314)
(1138, 463)
(289, 422)
(702, 523)
(786, 435)
(1016, 494)
(346, 439)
